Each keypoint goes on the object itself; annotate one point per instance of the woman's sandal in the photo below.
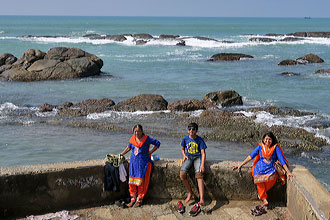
(132, 202)
(138, 202)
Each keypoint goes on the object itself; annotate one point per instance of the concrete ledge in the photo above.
(307, 197)
(39, 189)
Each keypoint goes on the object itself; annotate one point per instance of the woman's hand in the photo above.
(238, 167)
(289, 175)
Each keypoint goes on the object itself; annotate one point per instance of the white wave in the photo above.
(8, 106)
(115, 114)
(263, 117)
(196, 113)
(46, 114)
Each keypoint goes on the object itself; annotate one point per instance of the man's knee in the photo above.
(183, 175)
(199, 175)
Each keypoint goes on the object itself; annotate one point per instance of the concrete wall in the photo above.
(39, 189)
(306, 197)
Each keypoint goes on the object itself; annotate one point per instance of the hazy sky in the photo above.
(204, 8)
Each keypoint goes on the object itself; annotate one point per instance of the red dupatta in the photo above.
(135, 143)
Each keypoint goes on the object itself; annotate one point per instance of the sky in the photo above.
(186, 8)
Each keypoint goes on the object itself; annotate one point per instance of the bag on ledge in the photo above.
(279, 168)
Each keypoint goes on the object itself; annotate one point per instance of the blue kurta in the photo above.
(139, 160)
(264, 169)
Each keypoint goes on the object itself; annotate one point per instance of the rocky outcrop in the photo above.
(262, 39)
(181, 43)
(229, 57)
(85, 107)
(308, 58)
(223, 98)
(311, 58)
(143, 102)
(322, 71)
(143, 36)
(58, 63)
(116, 37)
(311, 34)
(291, 39)
(186, 105)
(166, 36)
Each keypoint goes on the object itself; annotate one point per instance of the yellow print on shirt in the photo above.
(192, 147)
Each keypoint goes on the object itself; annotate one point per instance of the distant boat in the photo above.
(307, 17)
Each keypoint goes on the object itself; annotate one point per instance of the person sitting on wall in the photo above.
(263, 170)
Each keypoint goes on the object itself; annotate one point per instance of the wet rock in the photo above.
(85, 107)
(141, 42)
(290, 74)
(166, 36)
(185, 105)
(58, 63)
(116, 37)
(262, 39)
(181, 43)
(274, 35)
(143, 36)
(311, 58)
(143, 102)
(224, 97)
(321, 71)
(311, 34)
(291, 39)
(7, 59)
(46, 108)
(229, 57)
(94, 36)
(288, 62)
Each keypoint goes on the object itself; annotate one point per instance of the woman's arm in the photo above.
(288, 173)
(125, 150)
(153, 150)
(238, 167)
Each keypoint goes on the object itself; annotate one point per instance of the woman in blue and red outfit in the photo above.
(263, 170)
(140, 164)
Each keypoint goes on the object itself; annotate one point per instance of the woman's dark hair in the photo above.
(271, 135)
(193, 125)
(138, 126)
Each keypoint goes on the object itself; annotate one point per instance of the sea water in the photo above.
(161, 67)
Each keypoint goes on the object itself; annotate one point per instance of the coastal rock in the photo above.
(291, 39)
(262, 39)
(274, 35)
(46, 108)
(290, 74)
(58, 63)
(85, 107)
(206, 38)
(311, 58)
(141, 42)
(311, 34)
(322, 71)
(116, 37)
(166, 36)
(143, 36)
(186, 105)
(94, 36)
(229, 57)
(288, 62)
(143, 102)
(7, 59)
(225, 98)
(181, 43)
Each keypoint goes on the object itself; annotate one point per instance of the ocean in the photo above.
(161, 67)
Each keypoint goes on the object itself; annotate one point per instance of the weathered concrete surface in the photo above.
(46, 188)
(307, 198)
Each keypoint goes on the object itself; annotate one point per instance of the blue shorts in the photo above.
(192, 160)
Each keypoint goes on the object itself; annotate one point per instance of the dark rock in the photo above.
(7, 59)
(290, 74)
(166, 36)
(143, 36)
(262, 39)
(58, 63)
(141, 42)
(311, 34)
(143, 102)
(94, 36)
(85, 107)
(181, 43)
(185, 105)
(288, 62)
(311, 58)
(116, 37)
(274, 35)
(46, 108)
(321, 71)
(225, 98)
(291, 39)
(228, 57)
